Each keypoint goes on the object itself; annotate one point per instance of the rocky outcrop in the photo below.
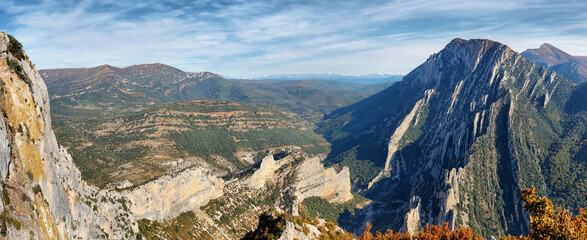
(47, 195)
(266, 171)
(307, 231)
(313, 179)
(169, 196)
(394, 140)
(412, 223)
(284, 226)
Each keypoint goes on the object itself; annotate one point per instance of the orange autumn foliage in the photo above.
(434, 232)
(546, 223)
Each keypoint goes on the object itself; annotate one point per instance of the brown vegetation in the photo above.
(434, 232)
(548, 223)
(545, 223)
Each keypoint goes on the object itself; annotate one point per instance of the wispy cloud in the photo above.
(244, 38)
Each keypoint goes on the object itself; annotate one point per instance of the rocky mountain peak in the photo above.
(473, 45)
(459, 58)
(571, 67)
(547, 55)
(471, 51)
(464, 121)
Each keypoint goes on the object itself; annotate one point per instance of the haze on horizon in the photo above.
(240, 38)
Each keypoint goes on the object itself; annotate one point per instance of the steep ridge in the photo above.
(457, 139)
(44, 196)
(573, 68)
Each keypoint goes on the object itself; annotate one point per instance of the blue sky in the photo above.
(251, 38)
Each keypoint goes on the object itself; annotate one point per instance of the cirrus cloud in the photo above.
(247, 38)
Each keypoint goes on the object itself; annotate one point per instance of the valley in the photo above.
(161, 153)
(144, 145)
(133, 124)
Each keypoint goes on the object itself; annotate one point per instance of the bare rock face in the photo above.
(412, 223)
(313, 179)
(265, 171)
(169, 196)
(44, 188)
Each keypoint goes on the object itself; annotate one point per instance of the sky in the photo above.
(246, 38)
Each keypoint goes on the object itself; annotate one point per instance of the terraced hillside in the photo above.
(140, 146)
(114, 118)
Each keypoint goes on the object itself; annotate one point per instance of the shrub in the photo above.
(15, 66)
(5, 197)
(37, 189)
(15, 48)
(548, 223)
(433, 232)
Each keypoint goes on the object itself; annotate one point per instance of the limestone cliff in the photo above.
(463, 133)
(169, 196)
(44, 196)
(313, 179)
(266, 171)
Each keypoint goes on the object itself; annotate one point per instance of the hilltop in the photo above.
(573, 68)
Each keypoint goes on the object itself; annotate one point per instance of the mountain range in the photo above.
(573, 68)
(44, 195)
(106, 89)
(365, 78)
(455, 141)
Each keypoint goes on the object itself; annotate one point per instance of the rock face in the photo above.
(265, 172)
(464, 133)
(169, 196)
(44, 189)
(313, 179)
(412, 219)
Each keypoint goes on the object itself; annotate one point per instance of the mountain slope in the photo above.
(573, 68)
(149, 143)
(458, 138)
(116, 122)
(44, 196)
(106, 89)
